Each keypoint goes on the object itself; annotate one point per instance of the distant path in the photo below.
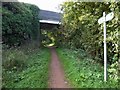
(56, 79)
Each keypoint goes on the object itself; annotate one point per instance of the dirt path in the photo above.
(56, 79)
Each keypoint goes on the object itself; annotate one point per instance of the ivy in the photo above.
(19, 23)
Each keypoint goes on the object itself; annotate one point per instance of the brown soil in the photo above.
(56, 79)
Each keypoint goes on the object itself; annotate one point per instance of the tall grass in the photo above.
(25, 67)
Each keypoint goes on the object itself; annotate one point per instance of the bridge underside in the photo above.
(48, 26)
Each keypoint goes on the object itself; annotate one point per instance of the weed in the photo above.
(33, 75)
(82, 71)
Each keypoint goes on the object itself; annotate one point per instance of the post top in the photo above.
(104, 14)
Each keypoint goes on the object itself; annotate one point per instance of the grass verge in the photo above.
(83, 72)
(25, 68)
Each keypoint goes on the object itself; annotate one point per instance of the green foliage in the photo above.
(51, 36)
(81, 28)
(33, 74)
(19, 23)
(113, 71)
(13, 59)
(47, 37)
(83, 72)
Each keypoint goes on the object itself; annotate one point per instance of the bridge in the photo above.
(49, 19)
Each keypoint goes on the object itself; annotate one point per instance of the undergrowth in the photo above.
(25, 67)
(82, 71)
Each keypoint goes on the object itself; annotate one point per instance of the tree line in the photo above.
(81, 28)
(20, 23)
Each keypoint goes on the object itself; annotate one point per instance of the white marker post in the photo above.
(105, 48)
(103, 20)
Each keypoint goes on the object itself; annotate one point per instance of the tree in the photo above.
(82, 30)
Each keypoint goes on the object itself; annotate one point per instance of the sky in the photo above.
(51, 5)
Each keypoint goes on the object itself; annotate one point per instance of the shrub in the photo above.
(12, 59)
(19, 23)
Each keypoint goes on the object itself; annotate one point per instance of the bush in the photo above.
(14, 59)
(113, 71)
(19, 23)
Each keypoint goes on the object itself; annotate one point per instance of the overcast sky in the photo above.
(51, 5)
